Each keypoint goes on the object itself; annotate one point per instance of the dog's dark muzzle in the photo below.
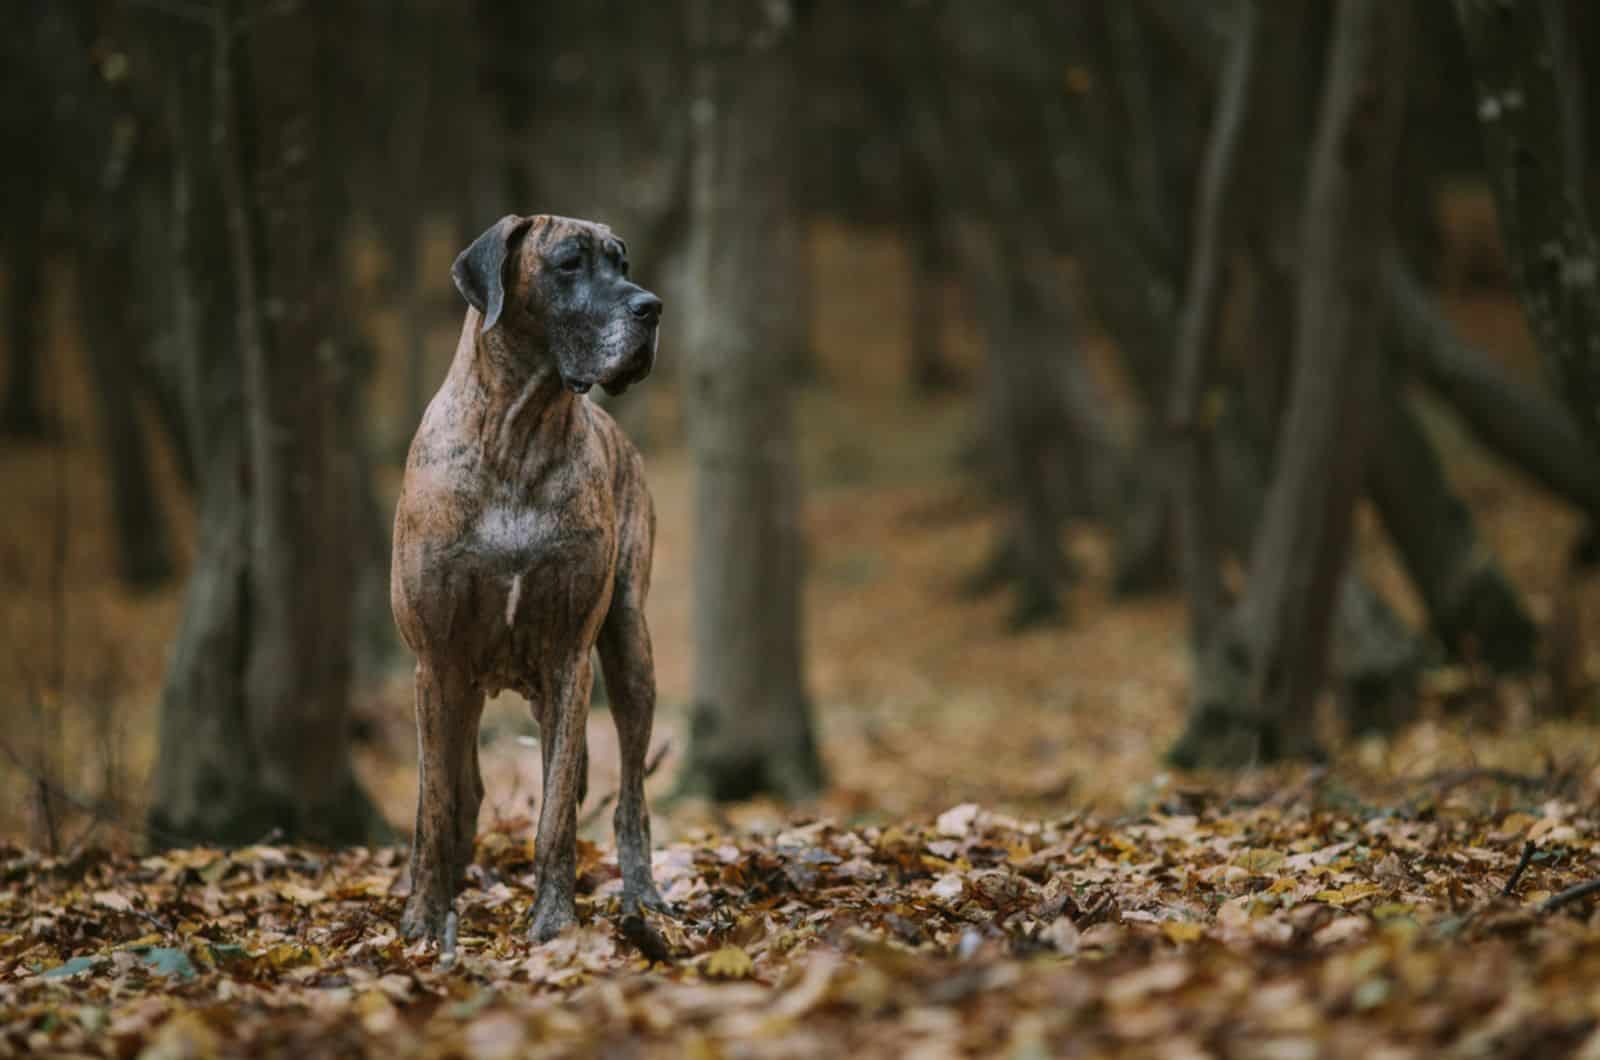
(645, 308)
(637, 365)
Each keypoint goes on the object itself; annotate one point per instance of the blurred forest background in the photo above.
(1122, 385)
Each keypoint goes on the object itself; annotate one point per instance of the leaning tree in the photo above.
(1262, 669)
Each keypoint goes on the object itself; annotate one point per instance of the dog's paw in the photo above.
(635, 902)
(424, 917)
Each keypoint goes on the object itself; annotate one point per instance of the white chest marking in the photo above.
(512, 598)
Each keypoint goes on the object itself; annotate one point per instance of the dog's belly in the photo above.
(543, 587)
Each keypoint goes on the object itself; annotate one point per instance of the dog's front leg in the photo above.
(563, 721)
(448, 706)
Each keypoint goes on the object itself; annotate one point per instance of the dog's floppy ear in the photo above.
(479, 271)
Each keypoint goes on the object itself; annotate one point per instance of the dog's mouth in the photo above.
(639, 363)
(630, 369)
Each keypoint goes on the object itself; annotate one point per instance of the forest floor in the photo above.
(1002, 865)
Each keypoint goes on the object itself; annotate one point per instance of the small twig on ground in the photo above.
(595, 812)
(1528, 850)
(156, 922)
(1570, 895)
(1450, 779)
(653, 763)
(1306, 787)
(157, 836)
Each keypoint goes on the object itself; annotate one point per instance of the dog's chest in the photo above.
(544, 578)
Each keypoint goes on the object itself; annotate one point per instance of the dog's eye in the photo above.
(570, 263)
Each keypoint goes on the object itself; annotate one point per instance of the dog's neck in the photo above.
(522, 411)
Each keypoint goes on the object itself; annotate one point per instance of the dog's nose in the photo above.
(645, 306)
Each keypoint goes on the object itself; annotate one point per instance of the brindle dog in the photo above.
(522, 542)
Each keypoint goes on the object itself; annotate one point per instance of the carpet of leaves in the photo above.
(1293, 924)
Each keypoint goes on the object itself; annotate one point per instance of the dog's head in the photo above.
(559, 288)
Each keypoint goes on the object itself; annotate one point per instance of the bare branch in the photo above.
(1570, 895)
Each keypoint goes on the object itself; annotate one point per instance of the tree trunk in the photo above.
(791, 257)
(1149, 172)
(1046, 431)
(255, 725)
(1473, 607)
(29, 132)
(751, 728)
(1255, 690)
(1527, 92)
(97, 150)
(114, 342)
(931, 370)
(22, 415)
(1271, 178)
(1028, 344)
(1195, 465)
(205, 773)
(1376, 657)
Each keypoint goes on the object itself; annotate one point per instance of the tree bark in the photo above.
(1148, 167)
(751, 729)
(1526, 93)
(22, 415)
(1195, 466)
(31, 52)
(1028, 346)
(114, 342)
(1255, 690)
(255, 726)
(931, 370)
(1473, 607)
(205, 785)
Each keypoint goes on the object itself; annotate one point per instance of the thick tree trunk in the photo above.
(303, 555)
(1271, 178)
(1376, 657)
(931, 370)
(255, 716)
(205, 787)
(1195, 463)
(1133, 290)
(751, 728)
(1473, 607)
(1256, 688)
(22, 414)
(1029, 345)
(1526, 93)
(1148, 152)
(1056, 451)
(114, 343)
(792, 259)
(98, 150)
(28, 133)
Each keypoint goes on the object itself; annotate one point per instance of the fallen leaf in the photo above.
(730, 962)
